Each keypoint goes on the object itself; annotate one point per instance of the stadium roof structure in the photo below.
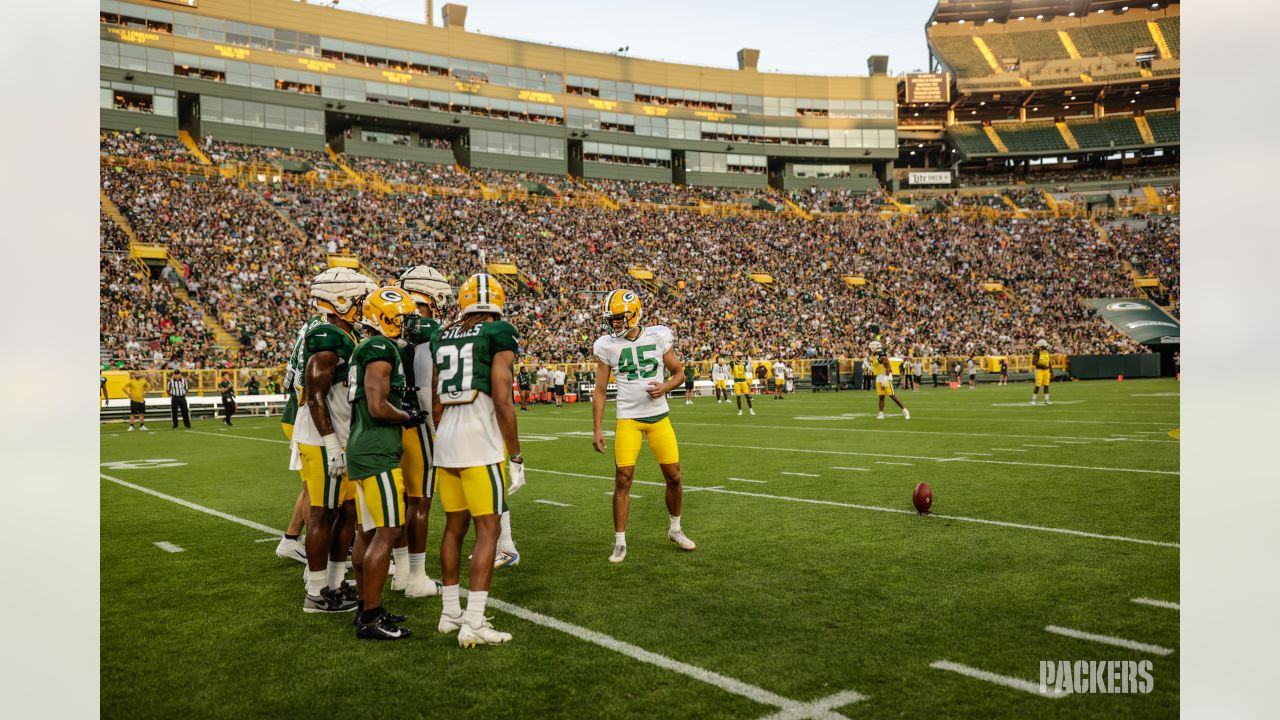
(955, 11)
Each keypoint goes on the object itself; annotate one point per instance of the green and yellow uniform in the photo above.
(470, 472)
(1040, 360)
(417, 460)
(293, 373)
(741, 384)
(883, 369)
(314, 461)
(374, 448)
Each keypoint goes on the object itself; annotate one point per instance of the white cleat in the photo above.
(399, 578)
(450, 623)
(130, 428)
(469, 637)
(422, 586)
(142, 427)
(906, 414)
(880, 416)
(1046, 401)
(506, 558)
(619, 554)
(739, 413)
(678, 537)
(751, 410)
(292, 550)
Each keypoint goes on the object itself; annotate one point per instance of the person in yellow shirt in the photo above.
(1040, 360)
(741, 383)
(882, 366)
(136, 390)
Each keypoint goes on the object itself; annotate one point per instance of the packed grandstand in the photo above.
(210, 232)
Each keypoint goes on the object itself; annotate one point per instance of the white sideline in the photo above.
(796, 709)
(811, 428)
(168, 547)
(1001, 523)
(1158, 603)
(1005, 680)
(1109, 640)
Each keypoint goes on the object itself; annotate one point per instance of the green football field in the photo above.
(815, 590)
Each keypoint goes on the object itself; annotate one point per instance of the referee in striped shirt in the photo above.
(178, 399)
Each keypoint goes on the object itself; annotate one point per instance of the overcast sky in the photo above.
(829, 37)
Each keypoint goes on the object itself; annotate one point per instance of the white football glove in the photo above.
(335, 456)
(515, 470)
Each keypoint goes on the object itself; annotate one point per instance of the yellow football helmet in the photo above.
(482, 293)
(621, 312)
(340, 291)
(390, 312)
(427, 287)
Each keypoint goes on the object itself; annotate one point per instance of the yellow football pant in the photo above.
(628, 435)
(324, 491)
(480, 490)
(381, 500)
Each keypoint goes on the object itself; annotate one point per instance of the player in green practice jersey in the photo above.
(377, 391)
(430, 292)
(476, 426)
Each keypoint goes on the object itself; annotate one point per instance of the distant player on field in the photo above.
(136, 390)
(720, 375)
(1040, 361)
(741, 382)
(779, 379)
(636, 356)
(883, 369)
(690, 373)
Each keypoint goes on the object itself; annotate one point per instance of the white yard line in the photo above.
(168, 547)
(748, 480)
(633, 497)
(961, 452)
(1055, 447)
(757, 694)
(267, 539)
(553, 502)
(882, 462)
(1158, 603)
(1005, 680)
(800, 474)
(1109, 640)
(1009, 449)
(837, 467)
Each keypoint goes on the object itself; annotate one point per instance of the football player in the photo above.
(883, 369)
(476, 421)
(720, 374)
(320, 437)
(741, 383)
(430, 291)
(290, 546)
(779, 378)
(1040, 360)
(378, 390)
(636, 356)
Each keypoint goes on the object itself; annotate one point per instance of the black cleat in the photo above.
(382, 628)
(328, 601)
(346, 592)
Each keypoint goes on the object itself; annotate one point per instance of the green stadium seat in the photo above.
(1031, 137)
(1169, 26)
(1111, 39)
(1089, 133)
(1165, 126)
(1123, 130)
(971, 139)
(960, 54)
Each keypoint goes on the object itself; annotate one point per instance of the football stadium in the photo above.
(886, 365)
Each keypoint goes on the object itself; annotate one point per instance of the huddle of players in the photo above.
(378, 426)
(382, 424)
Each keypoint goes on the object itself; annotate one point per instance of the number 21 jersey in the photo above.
(635, 364)
(468, 435)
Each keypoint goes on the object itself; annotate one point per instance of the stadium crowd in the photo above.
(248, 252)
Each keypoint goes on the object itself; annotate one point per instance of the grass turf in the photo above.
(801, 599)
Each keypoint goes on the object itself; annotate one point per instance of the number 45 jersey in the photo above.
(635, 364)
(468, 435)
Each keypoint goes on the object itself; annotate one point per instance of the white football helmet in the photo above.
(427, 286)
(340, 291)
(1042, 343)
(875, 346)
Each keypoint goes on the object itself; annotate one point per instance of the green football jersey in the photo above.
(420, 342)
(293, 373)
(464, 357)
(373, 447)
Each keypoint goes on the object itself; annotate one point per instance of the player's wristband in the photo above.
(517, 458)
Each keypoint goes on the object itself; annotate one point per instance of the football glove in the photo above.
(416, 418)
(515, 469)
(335, 456)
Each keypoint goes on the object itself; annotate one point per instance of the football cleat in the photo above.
(382, 628)
(422, 586)
(450, 623)
(752, 410)
(739, 413)
(400, 579)
(619, 554)
(1046, 402)
(142, 427)
(880, 416)
(130, 428)
(327, 601)
(506, 558)
(347, 591)
(906, 414)
(469, 637)
(678, 537)
(291, 550)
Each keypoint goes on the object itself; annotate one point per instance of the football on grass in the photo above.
(922, 498)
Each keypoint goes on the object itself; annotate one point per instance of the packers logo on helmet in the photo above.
(482, 293)
(390, 312)
(427, 287)
(339, 291)
(621, 312)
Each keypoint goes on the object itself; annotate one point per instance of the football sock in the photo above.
(316, 581)
(504, 537)
(449, 600)
(675, 523)
(401, 557)
(417, 564)
(476, 600)
(336, 573)
(620, 538)
(1046, 397)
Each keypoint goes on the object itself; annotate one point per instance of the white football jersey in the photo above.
(635, 364)
(424, 376)
(304, 428)
(779, 370)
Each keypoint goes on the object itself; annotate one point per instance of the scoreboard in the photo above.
(928, 88)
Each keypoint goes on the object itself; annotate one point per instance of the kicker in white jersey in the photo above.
(635, 364)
